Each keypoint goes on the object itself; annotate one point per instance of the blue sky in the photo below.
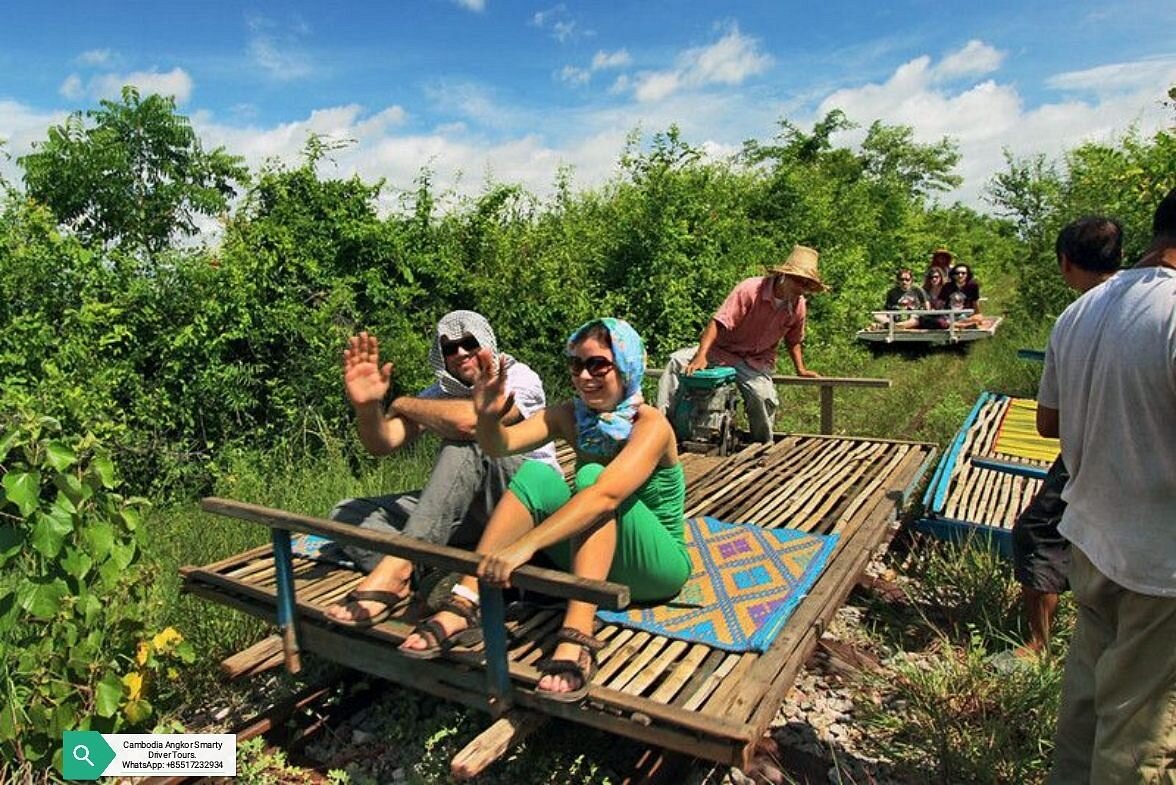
(478, 89)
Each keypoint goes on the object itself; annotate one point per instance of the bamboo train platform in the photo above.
(685, 697)
(978, 488)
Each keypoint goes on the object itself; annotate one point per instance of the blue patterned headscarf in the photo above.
(604, 433)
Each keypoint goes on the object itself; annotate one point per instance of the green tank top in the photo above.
(665, 494)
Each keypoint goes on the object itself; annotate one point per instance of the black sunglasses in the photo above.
(467, 342)
(596, 365)
(961, 272)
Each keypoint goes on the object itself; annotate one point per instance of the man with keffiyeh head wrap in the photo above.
(465, 483)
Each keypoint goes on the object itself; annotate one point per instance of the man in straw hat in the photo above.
(465, 483)
(745, 333)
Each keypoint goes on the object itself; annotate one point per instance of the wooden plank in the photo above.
(805, 381)
(668, 689)
(552, 582)
(491, 744)
(827, 409)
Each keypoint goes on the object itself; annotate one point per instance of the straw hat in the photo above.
(942, 251)
(802, 263)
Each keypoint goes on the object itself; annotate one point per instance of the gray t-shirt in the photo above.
(529, 398)
(1110, 371)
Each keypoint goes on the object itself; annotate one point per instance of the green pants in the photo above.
(650, 559)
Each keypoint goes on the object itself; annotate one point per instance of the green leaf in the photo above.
(6, 442)
(8, 722)
(137, 711)
(41, 597)
(76, 562)
(23, 489)
(49, 532)
(130, 517)
(90, 607)
(72, 487)
(60, 455)
(99, 539)
(186, 653)
(107, 695)
(11, 541)
(122, 553)
(104, 468)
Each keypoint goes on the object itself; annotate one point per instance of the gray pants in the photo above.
(760, 400)
(453, 507)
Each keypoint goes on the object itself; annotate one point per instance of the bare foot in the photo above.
(449, 621)
(563, 682)
(367, 602)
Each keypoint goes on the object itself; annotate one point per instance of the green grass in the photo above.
(181, 534)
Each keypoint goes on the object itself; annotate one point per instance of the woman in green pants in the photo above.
(624, 523)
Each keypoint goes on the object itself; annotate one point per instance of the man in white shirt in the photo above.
(465, 483)
(1109, 392)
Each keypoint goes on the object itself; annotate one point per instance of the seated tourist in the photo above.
(903, 296)
(934, 280)
(963, 292)
(624, 523)
(464, 484)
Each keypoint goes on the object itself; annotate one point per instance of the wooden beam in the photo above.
(556, 583)
(826, 410)
(804, 381)
(494, 742)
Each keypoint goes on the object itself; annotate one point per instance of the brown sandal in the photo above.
(391, 601)
(584, 667)
(439, 641)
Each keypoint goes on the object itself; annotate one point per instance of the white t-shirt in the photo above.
(529, 398)
(1110, 371)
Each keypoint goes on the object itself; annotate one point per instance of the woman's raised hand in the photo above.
(364, 379)
(490, 396)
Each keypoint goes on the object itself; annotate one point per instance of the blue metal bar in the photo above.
(493, 610)
(1031, 354)
(1011, 467)
(953, 453)
(287, 616)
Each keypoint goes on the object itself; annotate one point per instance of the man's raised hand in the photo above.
(364, 379)
(490, 396)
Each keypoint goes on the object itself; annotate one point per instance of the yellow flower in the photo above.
(142, 653)
(167, 640)
(134, 682)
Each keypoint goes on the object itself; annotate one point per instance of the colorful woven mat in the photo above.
(319, 548)
(744, 584)
(1018, 437)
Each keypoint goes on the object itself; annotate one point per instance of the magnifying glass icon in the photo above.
(82, 753)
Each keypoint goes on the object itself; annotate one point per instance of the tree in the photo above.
(136, 177)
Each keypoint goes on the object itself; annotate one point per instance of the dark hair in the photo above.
(906, 270)
(1164, 223)
(597, 330)
(967, 269)
(1092, 243)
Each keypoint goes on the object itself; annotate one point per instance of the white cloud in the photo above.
(560, 22)
(730, 61)
(471, 5)
(1115, 77)
(617, 59)
(988, 116)
(20, 127)
(72, 88)
(176, 83)
(574, 76)
(277, 52)
(472, 101)
(974, 59)
(95, 57)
